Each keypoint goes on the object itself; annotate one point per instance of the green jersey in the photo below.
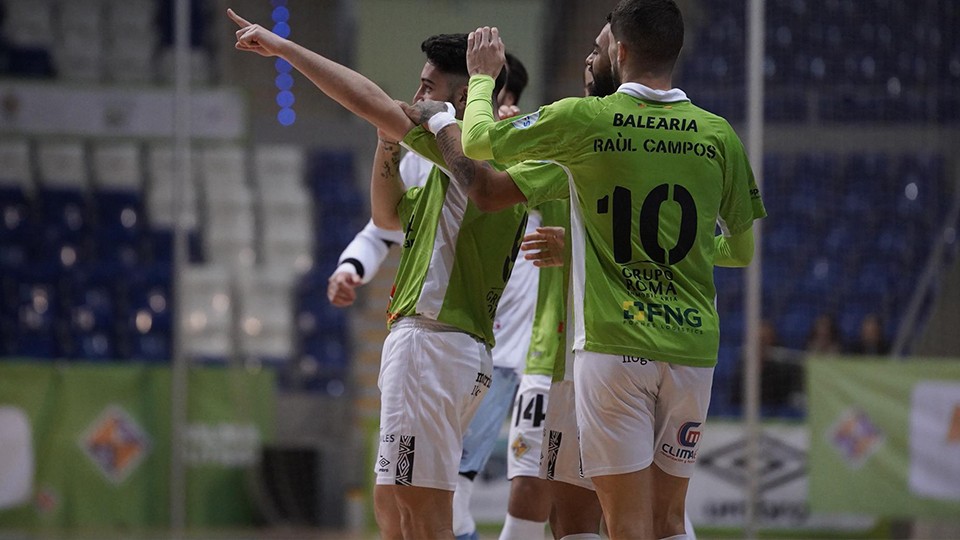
(651, 175)
(548, 341)
(455, 259)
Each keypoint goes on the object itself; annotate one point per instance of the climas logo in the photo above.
(689, 435)
(687, 438)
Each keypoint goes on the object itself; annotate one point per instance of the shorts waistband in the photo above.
(416, 321)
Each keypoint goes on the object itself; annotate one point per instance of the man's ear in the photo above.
(622, 53)
(460, 100)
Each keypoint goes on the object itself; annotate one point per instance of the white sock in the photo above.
(581, 536)
(688, 527)
(515, 528)
(462, 520)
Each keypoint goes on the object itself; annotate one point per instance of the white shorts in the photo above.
(561, 439)
(526, 426)
(635, 411)
(484, 430)
(432, 379)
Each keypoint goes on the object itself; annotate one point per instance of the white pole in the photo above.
(752, 377)
(181, 159)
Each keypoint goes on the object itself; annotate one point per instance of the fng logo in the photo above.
(668, 314)
(689, 435)
(633, 311)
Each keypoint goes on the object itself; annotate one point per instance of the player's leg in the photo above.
(529, 505)
(412, 512)
(424, 512)
(431, 381)
(576, 511)
(478, 444)
(669, 494)
(681, 412)
(528, 508)
(616, 403)
(626, 501)
(387, 513)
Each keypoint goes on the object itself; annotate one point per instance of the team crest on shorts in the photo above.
(519, 447)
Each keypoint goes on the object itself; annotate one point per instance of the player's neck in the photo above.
(654, 80)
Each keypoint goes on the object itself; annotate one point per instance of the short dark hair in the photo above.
(448, 53)
(653, 28)
(517, 78)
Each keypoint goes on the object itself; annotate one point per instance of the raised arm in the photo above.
(485, 58)
(356, 93)
(489, 189)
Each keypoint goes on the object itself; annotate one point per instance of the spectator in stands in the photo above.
(781, 381)
(872, 340)
(824, 337)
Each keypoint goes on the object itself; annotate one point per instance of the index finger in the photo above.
(241, 22)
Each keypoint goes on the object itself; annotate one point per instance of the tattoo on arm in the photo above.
(428, 109)
(390, 165)
(463, 168)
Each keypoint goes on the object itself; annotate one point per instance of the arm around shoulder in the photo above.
(489, 189)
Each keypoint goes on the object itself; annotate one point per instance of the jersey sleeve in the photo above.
(741, 202)
(540, 181)
(368, 249)
(548, 134)
(424, 144)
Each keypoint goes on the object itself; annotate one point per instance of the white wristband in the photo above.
(442, 120)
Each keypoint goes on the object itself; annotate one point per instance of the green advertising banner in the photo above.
(885, 436)
(100, 439)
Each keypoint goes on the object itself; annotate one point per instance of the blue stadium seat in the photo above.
(795, 324)
(157, 245)
(731, 327)
(120, 250)
(119, 213)
(17, 229)
(721, 397)
(148, 323)
(151, 346)
(38, 305)
(63, 209)
(30, 62)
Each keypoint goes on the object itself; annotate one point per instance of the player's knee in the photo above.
(669, 524)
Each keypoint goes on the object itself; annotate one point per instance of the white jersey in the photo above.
(513, 324)
(368, 249)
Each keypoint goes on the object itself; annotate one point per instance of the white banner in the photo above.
(716, 495)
